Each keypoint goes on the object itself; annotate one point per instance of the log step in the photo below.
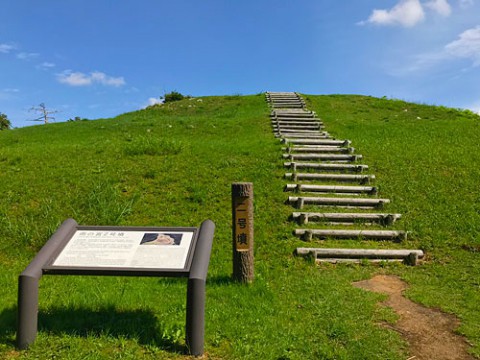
(293, 120)
(321, 156)
(292, 96)
(327, 157)
(315, 136)
(286, 130)
(300, 153)
(359, 203)
(326, 166)
(317, 142)
(409, 257)
(290, 106)
(318, 149)
(297, 123)
(346, 218)
(297, 128)
(362, 179)
(335, 261)
(286, 99)
(291, 114)
(309, 234)
(296, 135)
(288, 103)
(336, 189)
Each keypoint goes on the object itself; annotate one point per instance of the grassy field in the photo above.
(173, 165)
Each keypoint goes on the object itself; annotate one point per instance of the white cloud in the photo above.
(6, 48)
(133, 89)
(153, 101)
(466, 46)
(103, 79)
(8, 93)
(465, 3)
(405, 13)
(27, 56)
(440, 6)
(409, 13)
(46, 65)
(72, 78)
(475, 107)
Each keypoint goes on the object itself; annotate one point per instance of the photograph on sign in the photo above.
(161, 239)
(126, 249)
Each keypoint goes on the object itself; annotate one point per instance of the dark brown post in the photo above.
(242, 221)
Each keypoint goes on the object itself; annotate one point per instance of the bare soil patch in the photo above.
(429, 332)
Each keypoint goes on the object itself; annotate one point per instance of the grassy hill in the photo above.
(173, 165)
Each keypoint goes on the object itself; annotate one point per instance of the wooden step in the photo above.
(293, 119)
(288, 104)
(326, 166)
(318, 149)
(299, 123)
(345, 218)
(297, 128)
(362, 179)
(291, 114)
(323, 234)
(316, 142)
(302, 134)
(409, 256)
(291, 106)
(311, 148)
(336, 261)
(317, 136)
(359, 203)
(296, 135)
(287, 99)
(328, 157)
(322, 155)
(333, 189)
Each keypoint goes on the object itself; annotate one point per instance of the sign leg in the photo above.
(27, 311)
(195, 324)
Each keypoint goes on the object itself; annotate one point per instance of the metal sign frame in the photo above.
(195, 269)
(52, 269)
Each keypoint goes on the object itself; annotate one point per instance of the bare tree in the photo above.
(41, 108)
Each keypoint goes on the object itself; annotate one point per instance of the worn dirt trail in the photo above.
(429, 332)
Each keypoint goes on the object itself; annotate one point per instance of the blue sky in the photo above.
(101, 58)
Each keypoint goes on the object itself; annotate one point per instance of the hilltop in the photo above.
(173, 164)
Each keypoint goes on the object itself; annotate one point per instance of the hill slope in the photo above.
(173, 165)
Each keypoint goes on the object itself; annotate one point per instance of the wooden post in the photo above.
(242, 221)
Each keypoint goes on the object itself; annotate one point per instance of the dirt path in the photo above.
(429, 332)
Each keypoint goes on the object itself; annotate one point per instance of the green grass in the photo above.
(173, 165)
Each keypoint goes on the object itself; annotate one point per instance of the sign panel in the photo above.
(242, 236)
(121, 249)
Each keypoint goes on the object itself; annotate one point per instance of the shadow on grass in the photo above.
(8, 326)
(139, 325)
(211, 280)
(220, 280)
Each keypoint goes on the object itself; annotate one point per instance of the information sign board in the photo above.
(98, 250)
(127, 251)
(161, 249)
